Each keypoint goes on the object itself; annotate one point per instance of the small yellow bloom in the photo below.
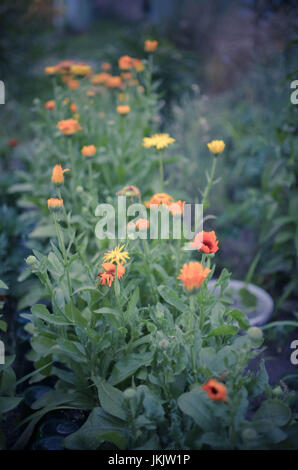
(58, 174)
(80, 70)
(116, 255)
(150, 46)
(159, 141)
(54, 203)
(216, 146)
(88, 150)
(123, 109)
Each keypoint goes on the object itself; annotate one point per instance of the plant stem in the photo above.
(210, 182)
(161, 172)
(62, 249)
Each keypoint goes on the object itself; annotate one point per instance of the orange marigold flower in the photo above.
(126, 75)
(69, 126)
(125, 62)
(206, 242)
(177, 207)
(88, 150)
(114, 81)
(13, 142)
(123, 109)
(51, 104)
(100, 78)
(106, 66)
(54, 203)
(73, 108)
(142, 224)
(58, 174)
(91, 93)
(193, 275)
(150, 46)
(130, 191)
(64, 66)
(160, 199)
(73, 84)
(108, 276)
(215, 390)
(50, 70)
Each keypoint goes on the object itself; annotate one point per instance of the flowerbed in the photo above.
(127, 330)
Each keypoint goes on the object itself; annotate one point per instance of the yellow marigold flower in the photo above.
(58, 174)
(80, 70)
(150, 46)
(50, 105)
(159, 141)
(160, 199)
(73, 84)
(138, 65)
(69, 126)
(54, 203)
(216, 146)
(50, 70)
(117, 255)
(193, 275)
(123, 109)
(88, 150)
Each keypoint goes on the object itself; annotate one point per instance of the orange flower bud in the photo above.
(58, 174)
(54, 203)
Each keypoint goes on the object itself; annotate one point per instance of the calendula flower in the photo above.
(64, 66)
(216, 146)
(123, 109)
(206, 242)
(177, 207)
(100, 78)
(13, 142)
(50, 105)
(129, 191)
(125, 62)
(159, 199)
(193, 275)
(150, 46)
(117, 255)
(73, 108)
(66, 100)
(159, 141)
(81, 70)
(126, 75)
(106, 66)
(216, 391)
(58, 174)
(88, 150)
(91, 93)
(113, 81)
(50, 70)
(138, 65)
(69, 126)
(108, 276)
(73, 84)
(101, 115)
(54, 203)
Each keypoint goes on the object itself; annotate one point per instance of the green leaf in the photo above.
(194, 405)
(45, 231)
(248, 299)
(171, 298)
(111, 399)
(275, 411)
(9, 403)
(97, 428)
(40, 311)
(132, 304)
(224, 330)
(127, 366)
(240, 318)
(3, 285)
